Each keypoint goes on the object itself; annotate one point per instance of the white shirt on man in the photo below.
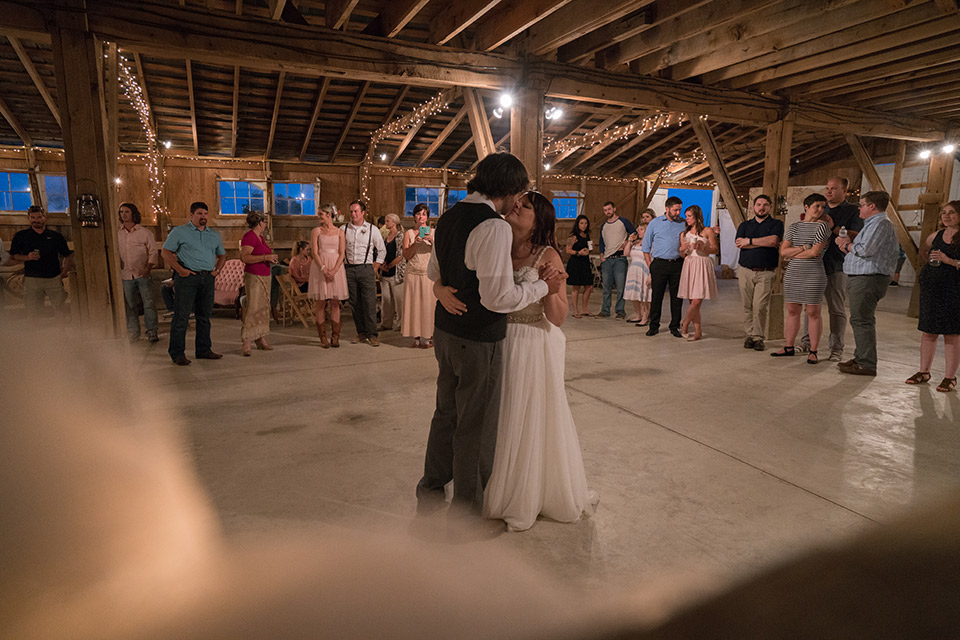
(488, 254)
(362, 242)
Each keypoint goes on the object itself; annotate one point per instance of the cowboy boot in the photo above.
(321, 331)
(335, 334)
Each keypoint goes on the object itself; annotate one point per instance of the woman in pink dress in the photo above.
(257, 258)
(697, 279)
(328, 279)
(419, 301)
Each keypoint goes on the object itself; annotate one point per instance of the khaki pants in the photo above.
(36, 289)
(756, 287)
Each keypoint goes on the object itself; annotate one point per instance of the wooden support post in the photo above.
(99, 301)
(717, 168)
(776, 172)
(898, 173)
(935, 194)
(526, 128)
(482, 137)
(653, 190)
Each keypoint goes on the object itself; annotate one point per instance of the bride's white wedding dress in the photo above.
(537, 468)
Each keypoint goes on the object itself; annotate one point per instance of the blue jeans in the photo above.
(614, 271)
(193, 294)
(143, 287)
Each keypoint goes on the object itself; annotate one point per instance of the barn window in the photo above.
(454, 196)
(568, 204)
(294, 199)
(14, 191)
(428, 195)
(56, 188)
(238, 197)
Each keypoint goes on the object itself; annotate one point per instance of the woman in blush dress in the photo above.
(257, 258)
(537, 467)
(697, 279)
(637, 287)
(805, 278)
(328, 278)
(419, 300)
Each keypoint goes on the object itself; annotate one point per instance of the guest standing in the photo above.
(805, 279)
(391, 278)
(870, 260)
(698, 282)
(637, 287)
(420, 303)
(759, 243)
(613, 263)
(579, 271)
(300, 265)
(363, 258)
(328, 279)
(661, 251)
(195, 253)
(257, 258)
(46, 260)
(939, 282)
(138, 256)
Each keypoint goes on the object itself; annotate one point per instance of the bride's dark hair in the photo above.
(544, 221)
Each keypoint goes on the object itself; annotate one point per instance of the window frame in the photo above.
(273, 198)
(46, 193)
(29, 192)
(579, 196)
(441, 199)
(262, 185)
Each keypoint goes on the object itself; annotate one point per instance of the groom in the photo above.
(471, 253)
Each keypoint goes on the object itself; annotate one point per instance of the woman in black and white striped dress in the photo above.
(805, 279)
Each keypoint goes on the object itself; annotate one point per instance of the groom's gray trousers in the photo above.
(463, 432)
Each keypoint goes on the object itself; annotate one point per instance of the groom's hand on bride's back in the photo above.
(448, 300)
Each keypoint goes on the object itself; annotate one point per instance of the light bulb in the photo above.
(948, 148)
(546, 166)
(498, 113)
(383, 156)
(506, 100)
(925, 154)
(166, 144)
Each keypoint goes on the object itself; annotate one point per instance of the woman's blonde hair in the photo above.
(329, 207)
(395, 218)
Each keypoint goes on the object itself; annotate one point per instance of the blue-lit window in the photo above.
(568, 204)
(428, 195)
(57, 199)
(240, 198)
(293, 199)
(14, 191)
(454, 196)
(701, 197)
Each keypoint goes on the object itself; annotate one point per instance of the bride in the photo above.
(537, 467)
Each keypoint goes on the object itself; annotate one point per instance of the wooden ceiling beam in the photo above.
(667, 138)
(511, 19)
(142, 81)
(357, 101)
(598, 148)
(193, 108)
(276, 8)
(317, 105)
(479, 124)
(276, 114)
(396, 105)
(36, 77)
(575, 20)
(239, 7)
(337, 12)
(945, 93)
(407, 139)
(681, 26)
(889, 82)
(823, 30)
(440, 139)
(497, 145)
(394, 17)
(456, 17)
(720, 38)
(556, 158)
(893, 89)
(234, 122)
(594, 168)
(617, 31)
(879, 49)
(466, 145)
(15, 124)
(720, 175)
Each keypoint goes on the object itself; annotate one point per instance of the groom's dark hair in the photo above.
(499, 175)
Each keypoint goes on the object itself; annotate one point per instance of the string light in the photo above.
(650, 124)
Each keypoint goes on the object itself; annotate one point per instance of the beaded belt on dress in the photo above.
(525, 318)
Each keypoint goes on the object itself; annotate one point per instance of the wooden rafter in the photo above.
(236, 104)
(593, 169)
(497, 145)
(667, 138)
(276, 8)
(276, 113)
(440, 139)
(466, 145)
(35, 76)
(720, 174)
(617, 31)
(482, 137)
(317, 105)
(15, 124)
(338, 12)
(142, 81)
(599, 148)
(394, 17)
(239, 7)
(396, 104)
(193, 108)
(557, 158)
(512, 18)
(457, 17)
(357, 101)
(575, 20)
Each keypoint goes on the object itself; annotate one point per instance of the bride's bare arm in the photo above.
(555, 305)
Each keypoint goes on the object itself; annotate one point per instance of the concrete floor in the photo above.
(708, 458)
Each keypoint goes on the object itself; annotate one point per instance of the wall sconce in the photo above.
(720, 203)
(88, 210)
(782, 206)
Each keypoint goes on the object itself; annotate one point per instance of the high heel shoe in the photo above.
(246, 348)
(262, 345)
(812, 358)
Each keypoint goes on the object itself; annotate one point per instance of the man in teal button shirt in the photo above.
(196, 255)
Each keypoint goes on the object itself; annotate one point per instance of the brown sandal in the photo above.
(920, 377)
(947, 384)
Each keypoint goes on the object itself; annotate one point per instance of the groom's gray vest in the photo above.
(453, 229)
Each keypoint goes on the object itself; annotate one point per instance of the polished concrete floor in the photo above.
(708, 458)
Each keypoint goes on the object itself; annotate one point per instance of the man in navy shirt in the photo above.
(759, 241)
(40, 250)
(661, 249)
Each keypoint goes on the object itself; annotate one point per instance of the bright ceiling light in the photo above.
(117, 180)
(506, 100)
(948, 148)
(383, 156)
(167, 144)
(498, 113)
(546, 166)
(925, 154)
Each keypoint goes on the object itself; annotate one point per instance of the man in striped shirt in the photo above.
(870, 260)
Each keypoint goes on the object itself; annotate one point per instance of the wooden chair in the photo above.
(293, 302)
